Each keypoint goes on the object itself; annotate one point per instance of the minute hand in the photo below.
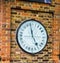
(33, 36)
(31, 30)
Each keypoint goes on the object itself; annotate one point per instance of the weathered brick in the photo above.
(51, 25)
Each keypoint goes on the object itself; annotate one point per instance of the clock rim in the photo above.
(17, 36)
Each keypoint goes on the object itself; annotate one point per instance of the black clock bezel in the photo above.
(17, 36)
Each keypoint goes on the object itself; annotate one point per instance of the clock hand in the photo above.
(35, 42)
(33, 36)
(31, 30)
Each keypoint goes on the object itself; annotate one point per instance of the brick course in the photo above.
(10, 19)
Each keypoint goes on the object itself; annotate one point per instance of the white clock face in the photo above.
(31, 36)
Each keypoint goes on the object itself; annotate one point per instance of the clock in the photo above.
(31, 36)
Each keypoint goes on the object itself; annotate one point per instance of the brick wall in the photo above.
(56, 47)
(47, 14)
(5, 33)
(16, 53)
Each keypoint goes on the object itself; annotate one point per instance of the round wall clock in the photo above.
(31, 36)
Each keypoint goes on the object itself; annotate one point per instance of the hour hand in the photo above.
(36, 44)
